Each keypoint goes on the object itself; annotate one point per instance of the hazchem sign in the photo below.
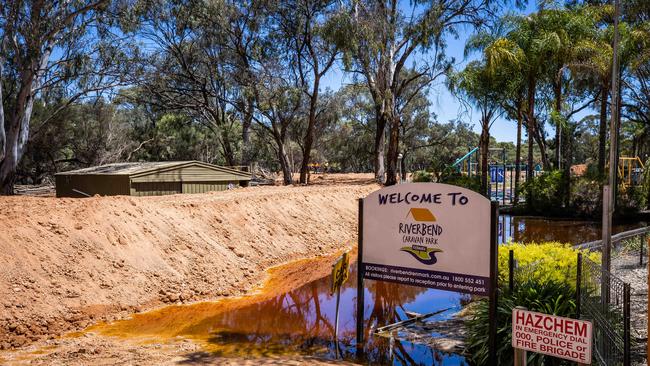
(429, 235)
(552, 335)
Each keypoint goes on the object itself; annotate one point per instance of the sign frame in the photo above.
(524, 340)
(492, 291)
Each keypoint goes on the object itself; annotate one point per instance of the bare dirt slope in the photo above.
(66, 263)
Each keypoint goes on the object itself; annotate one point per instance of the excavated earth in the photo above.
(68, 263)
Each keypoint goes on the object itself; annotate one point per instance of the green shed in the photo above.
(148, 179)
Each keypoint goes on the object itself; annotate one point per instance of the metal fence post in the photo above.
(626, 325)
(643, 238)
(578, 284)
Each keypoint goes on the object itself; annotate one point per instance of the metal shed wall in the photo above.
(191, 173)
(105, 185)
(202, 187)
(155, 188)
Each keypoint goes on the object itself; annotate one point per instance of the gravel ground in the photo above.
(626, 267)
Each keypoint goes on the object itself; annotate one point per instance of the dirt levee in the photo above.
(67, 262)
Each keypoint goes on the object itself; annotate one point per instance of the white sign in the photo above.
(429, 235)
(552, 335)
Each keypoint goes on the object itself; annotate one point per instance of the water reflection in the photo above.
(295, 312)
(301, 320)
(536, 229)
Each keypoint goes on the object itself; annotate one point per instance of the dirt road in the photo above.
(67, 263)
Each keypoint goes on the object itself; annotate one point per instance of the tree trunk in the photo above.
(379, 146)
(484, 143)
(541, 143)
(602, 128)
(309, 135)
(518, 152)
(393, 150)
(557, 91)
(17, 133)
(245, 133)
(228, 153)
(283, 158)
(403, 165)
(531, 126)
(567, 147)
(531, 133)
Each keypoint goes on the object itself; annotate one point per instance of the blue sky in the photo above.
(443, 104)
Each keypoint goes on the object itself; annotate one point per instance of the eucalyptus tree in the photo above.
(379, 37)
(46, 44)
(481, 87)
(186, 69)
(306, 23)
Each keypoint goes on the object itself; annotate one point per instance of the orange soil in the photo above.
(68, 263)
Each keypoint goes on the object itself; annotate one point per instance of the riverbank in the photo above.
(68, 263)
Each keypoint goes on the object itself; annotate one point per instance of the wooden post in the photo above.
(520, 354)
(520, 357)
(360, 284)
(606, 246)
(494, 274)
(648, 343)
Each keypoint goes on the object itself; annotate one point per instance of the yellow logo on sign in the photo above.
(421, 214)
(340, 272)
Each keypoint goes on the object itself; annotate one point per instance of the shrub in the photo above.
(544, 192)
(586, 197)
(473, 183)
(422, 176)
(545, 282)
(549, 261)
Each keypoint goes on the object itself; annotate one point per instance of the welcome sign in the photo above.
(429, 235)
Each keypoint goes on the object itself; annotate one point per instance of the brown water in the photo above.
(294, 313)
(538, 229)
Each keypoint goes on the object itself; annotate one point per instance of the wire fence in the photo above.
(604, 299)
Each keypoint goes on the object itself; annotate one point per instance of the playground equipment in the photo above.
(466, 161)
(630, 171)
(501, 174)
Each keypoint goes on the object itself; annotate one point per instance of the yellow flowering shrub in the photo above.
(543, 261)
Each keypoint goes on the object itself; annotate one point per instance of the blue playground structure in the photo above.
(501, 174)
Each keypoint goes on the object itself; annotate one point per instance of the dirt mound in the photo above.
(69, 262)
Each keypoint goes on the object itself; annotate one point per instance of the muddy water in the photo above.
(537, 229)
(294, 313)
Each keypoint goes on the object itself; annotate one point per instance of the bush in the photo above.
(543, 262)
(586, 197)
(544, 282)
(422, 176)
(473, 183)
(631, 200)
(544, 192)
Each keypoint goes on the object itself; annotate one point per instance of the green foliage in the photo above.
(473, 182)
(549, 297)
(543, 192)
(422, 176)
(545, 282)
(542, 262)
(586, 197)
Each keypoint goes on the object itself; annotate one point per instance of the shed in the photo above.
(148, 179)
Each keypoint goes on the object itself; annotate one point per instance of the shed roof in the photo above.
(144, 168)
